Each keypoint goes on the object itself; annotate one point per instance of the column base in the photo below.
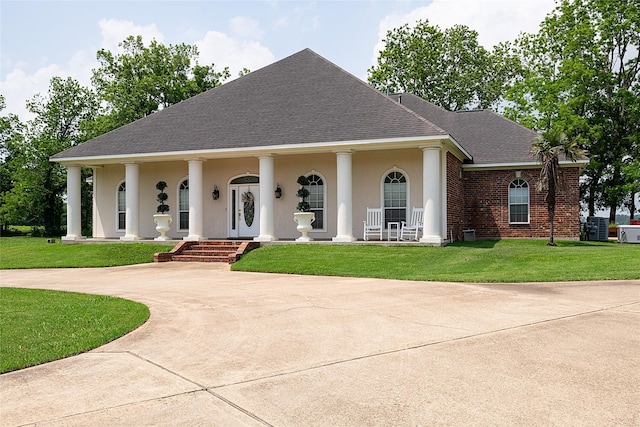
(265, 238)
(433, 240)
(71, 239)
(130, 238)
(343, 239)
(193, 238)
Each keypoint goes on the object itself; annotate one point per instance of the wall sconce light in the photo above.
(278, 191)
(216, 193)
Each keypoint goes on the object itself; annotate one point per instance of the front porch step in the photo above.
(228, 251)
(200, 258)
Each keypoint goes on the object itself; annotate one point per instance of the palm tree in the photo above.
(547, 148)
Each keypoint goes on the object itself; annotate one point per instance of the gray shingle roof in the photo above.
(487, 136)
(300, 99)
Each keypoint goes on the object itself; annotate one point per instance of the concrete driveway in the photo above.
(232, 349)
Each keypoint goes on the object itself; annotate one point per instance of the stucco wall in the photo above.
(477, 200)
(369, 169)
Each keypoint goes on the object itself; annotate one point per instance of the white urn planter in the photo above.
(304, 221)
(162, 225)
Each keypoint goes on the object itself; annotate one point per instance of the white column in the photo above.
(196, 202)
(132, 210)
(432, 195)
(74, 197)
(344, 197)
(94, 201)
(267, 196)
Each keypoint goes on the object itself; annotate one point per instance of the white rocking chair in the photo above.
(373, 225)
(411, 230)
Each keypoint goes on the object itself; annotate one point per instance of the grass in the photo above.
(481, 261)
(41, 326)
(35, 252)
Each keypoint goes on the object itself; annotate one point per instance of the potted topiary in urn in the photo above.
(162, 218)
(304, 218)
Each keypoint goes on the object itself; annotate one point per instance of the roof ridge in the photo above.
(399, 104)
(369, 87)
(444, 110)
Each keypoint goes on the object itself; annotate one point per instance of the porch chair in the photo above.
(413, 228)
(373, 225)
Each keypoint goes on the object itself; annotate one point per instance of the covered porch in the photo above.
(351, 175)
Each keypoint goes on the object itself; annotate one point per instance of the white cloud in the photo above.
(245, 28)
(225, 51)
(241, 51)
(495, 20)
(18, 87)
(114, 31)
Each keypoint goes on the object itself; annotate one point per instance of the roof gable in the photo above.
(300, 99)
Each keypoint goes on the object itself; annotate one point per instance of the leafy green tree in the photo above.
(448, 68)
(547, 149)
(59, 123)
(11, 134)
(145, 79)
(580, 73)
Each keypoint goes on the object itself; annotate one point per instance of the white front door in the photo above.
(244, 210)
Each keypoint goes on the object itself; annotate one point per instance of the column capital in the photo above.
(438, 146)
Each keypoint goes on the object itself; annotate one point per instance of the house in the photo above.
(360, 148)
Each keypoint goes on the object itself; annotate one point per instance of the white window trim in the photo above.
(406, 177)
(180, 181)
(324, 201)
(117, 227)
(528, 221)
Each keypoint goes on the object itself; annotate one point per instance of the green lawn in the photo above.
(35, 252)
(40, 326)
(481, 261)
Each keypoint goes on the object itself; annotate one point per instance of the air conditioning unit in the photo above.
(597, 229)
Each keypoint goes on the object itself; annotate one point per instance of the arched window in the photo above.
(183, 205)
(518, 202)
(316, 199)
(122, 206)
(395, 197)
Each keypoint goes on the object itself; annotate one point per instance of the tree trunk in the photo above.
(552, 215)
(613, 209)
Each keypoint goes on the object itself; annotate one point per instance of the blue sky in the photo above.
(42, 39)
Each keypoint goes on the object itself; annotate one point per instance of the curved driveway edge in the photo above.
(226, 348)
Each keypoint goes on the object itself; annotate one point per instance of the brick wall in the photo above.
(486, 206)
(455, 197)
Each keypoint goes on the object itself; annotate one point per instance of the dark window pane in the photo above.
(184, 220)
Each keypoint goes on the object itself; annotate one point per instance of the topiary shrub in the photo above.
(162, 197)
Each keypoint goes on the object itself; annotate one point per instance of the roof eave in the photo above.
(522, 165)
(288, 149)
